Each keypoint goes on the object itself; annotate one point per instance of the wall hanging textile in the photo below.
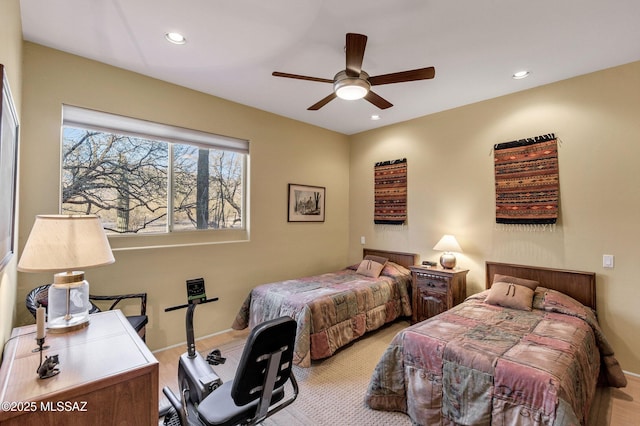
(390, 192)
(527, 181)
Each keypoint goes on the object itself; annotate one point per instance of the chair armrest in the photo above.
(119, 297)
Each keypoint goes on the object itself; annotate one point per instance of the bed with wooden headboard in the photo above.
(333, 309)
(401, 258)
(579, 285)
(486, 363)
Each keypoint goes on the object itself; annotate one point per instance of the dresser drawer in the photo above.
(432, 281)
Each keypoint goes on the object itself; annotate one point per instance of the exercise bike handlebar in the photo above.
(186, 305)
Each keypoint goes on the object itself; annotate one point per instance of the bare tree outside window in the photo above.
(125, 181)
(208, 188)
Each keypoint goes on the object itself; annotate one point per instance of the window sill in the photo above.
(177, 239)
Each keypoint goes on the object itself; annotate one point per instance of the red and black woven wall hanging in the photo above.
(527, 181)
(390, 192)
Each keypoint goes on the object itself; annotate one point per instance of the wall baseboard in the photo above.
(184, 343)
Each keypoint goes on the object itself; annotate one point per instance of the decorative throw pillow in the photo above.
(382, 260)
(509, 295)
(497, 278)
(370, 268)
(394, 270)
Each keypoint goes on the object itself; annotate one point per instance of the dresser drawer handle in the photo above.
(430, 276)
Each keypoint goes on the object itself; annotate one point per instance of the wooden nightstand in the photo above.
(435, 290)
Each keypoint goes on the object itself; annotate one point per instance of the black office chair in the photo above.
(257, 390)
(39, 296)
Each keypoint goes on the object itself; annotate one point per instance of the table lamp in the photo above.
(448, 244)
(64, 244)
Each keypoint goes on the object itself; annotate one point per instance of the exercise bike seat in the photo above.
(219, 408)
(259, 382)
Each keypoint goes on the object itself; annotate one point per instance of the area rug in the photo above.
(332, 390)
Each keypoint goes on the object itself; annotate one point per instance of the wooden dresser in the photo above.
(107, 376)
(435, 290)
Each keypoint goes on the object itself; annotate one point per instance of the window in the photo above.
(148, 178)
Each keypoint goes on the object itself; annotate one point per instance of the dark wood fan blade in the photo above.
(301, 77)
(322, 102)
(378, 100)
(355, 46)
(400, 77)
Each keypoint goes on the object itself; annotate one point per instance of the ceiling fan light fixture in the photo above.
(352, 92)
(353, 83)
(351, 88)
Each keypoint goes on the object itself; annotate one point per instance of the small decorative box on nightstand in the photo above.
(435, 290)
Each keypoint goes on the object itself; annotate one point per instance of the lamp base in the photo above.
(69, 304)
(448, 261)
(60, 325)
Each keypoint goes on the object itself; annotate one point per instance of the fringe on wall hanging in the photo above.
(527, 182)
(545, 227)
(390, 192)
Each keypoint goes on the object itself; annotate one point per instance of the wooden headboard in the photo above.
(404, 259)
(579, 285)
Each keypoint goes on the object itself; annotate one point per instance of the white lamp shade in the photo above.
(448, 243)
(65, 243)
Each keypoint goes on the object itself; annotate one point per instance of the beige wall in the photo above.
(282, 151)
(451, 188)
(11, 58)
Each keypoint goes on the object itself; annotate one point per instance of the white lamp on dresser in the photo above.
(448, 244)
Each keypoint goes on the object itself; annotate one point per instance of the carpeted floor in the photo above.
(332, 390)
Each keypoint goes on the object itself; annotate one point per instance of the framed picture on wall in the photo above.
(8, 167)
(306, 203)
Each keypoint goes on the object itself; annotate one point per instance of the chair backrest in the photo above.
(265, 339)
(37, 297)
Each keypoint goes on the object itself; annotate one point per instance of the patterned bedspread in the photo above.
(480, 364)
(332, 309)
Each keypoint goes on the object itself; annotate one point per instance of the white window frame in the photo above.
(88, 119)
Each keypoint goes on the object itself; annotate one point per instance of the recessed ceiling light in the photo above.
(520, 75)
(375, 117)
(175, 38)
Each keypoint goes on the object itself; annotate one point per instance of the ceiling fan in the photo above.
(354, 83)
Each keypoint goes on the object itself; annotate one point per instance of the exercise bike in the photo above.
(196, 379)
(256, 392)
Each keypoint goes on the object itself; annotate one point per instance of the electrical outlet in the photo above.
(607, 261)
(362, 240)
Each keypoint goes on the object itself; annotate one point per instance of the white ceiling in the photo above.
(233, 47)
